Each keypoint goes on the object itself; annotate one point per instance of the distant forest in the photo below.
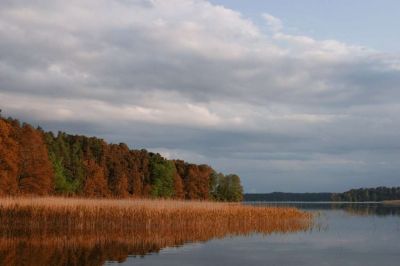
(353, 195)
(368, 194)
(282, 196)
(34, 162)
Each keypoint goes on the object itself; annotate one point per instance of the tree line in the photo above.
(368, 194)
(36, 162)
(353, 195)
(284, 196)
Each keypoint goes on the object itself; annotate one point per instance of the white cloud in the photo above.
(212, 77)
(274, 23)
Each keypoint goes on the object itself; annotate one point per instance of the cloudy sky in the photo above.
(292, 97)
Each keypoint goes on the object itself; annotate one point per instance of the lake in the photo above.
(344, 234)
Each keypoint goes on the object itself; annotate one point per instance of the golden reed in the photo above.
(71, 231)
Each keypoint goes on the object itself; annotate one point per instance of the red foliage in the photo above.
(179, 192)
(197, 181)
(8, 160)
(35, 172)
(96, 182)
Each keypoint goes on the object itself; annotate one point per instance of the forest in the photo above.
(353, 195)
(284, 196)
(368, 194)
(35, 162)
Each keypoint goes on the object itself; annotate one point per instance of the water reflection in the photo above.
(346, 234)
(369, 208)
(53, 243)
(336, 232)
(96, 249)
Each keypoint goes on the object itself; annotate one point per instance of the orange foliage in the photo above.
(8, 160)
(96, 182)
(36, 172)
(121, 188)
(179, 192)
(197, 181)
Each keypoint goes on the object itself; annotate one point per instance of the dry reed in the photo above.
(82, 226)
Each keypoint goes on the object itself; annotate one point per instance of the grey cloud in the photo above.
(203, 83)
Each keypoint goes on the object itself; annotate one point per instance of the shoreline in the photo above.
(391, 202)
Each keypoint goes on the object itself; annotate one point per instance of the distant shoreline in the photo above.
(378, 194)
(391, 202)
(313, 202)
(384, 202)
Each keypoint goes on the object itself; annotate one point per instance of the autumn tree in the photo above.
(197, 181)
(121, 188)
(117, 169)
(145, 172)
(8, 160)
(95, 182)
(137, 171)
(135, 177)
(35, 173)
(179, 192)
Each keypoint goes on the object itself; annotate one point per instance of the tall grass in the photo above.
(82, 226)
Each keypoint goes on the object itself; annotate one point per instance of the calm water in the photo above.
(345, 234)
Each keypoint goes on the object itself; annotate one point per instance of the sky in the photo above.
(295, 96)
(371, 23)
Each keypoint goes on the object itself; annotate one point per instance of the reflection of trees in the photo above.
(369, 209)
(91, 232)
(71, 251)
(83, 249)
(377, 209)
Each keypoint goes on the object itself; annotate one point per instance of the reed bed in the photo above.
(137, 227)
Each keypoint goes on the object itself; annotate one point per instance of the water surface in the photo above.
(344, 234)
(39, 232)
